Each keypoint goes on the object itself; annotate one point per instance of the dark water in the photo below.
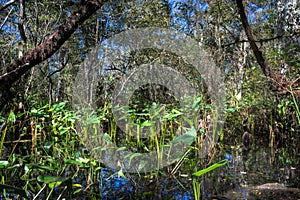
(261, 173)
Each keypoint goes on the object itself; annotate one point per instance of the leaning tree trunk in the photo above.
(278, 81)
(20, 66)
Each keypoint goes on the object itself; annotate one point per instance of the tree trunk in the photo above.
(20, 66)
(278, 82)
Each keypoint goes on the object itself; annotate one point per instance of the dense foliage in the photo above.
(40, 142)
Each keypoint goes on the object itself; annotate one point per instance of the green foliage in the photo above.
(40, 143)
(55, 153)
(212, 167)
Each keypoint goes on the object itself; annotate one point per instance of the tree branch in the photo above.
(262, 40)
(7, 4)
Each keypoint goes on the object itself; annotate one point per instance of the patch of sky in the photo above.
(183, 14)
(257, 13)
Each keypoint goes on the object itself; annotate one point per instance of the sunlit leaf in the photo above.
(12, 117)
(121, 174)
(3, 164)
(214, 166)
(50, 179)
(146, 123)
(54, 184)
(35, 166)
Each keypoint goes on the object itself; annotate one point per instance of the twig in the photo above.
(5, 20)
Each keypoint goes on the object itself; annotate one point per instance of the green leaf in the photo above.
(54, 184)
(83, 160)
(3, 164)
(146, 123)
(51, 179)
(214, 166)
(58, 107)
(63, 130)
(188, 138)
(141, 165)
(70, 161)
(121, 174)
(131, 156)
(12, 117)
(93, 120)
(35, 166)
(48, 144)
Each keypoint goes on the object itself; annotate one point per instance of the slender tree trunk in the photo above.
(257, 53)
(278, 82)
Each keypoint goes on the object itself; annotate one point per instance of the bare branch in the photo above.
(6, 18)
(7, 4)
(262, 40)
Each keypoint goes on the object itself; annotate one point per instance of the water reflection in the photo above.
(255, 174)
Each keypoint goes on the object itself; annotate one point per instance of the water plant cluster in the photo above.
(43, 147)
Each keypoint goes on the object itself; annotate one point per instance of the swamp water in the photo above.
(260, 173)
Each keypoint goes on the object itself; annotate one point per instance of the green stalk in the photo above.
(296, 105)
(196, 189)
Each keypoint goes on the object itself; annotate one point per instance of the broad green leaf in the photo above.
(12, 117)
(83, 160)
(146, 123)
(187, 138)
(63, 130)
(58, 107)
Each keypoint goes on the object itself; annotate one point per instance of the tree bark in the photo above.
(20, 66)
